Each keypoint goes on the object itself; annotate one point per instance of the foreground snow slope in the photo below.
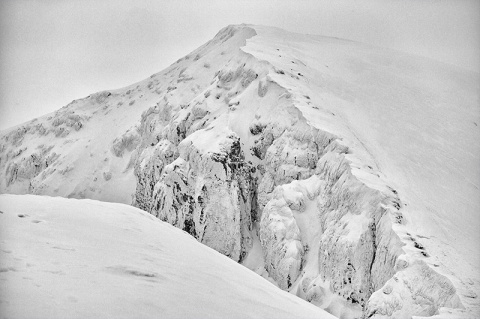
(346, 174)
(68, 258)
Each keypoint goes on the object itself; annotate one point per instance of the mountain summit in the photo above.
(345, 174)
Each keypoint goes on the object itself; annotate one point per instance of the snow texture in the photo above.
(70, 258)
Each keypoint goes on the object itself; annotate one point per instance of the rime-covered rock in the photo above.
(149, 168)
(127, 142)
(416, 290)
(208, 194)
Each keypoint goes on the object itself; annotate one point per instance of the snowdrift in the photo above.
(68, 258)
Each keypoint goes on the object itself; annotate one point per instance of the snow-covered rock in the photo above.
(344, 173)
(418, 289)
(196, 187)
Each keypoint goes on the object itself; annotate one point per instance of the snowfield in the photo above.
(68, 258)
(345, 174)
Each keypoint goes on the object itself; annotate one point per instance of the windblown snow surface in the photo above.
(70, 258)
(346, 174)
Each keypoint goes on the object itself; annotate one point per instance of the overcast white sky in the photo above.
(55, 51)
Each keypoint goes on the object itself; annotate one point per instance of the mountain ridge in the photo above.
(284, 114)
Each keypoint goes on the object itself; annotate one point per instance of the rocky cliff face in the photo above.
(240, 144)
(196, 187)
(325, 234)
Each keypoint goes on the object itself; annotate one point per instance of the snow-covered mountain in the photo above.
(346, 174)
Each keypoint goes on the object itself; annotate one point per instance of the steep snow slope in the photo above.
(69, 258)
(415, 121)
(344, 173)
(78, 151)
